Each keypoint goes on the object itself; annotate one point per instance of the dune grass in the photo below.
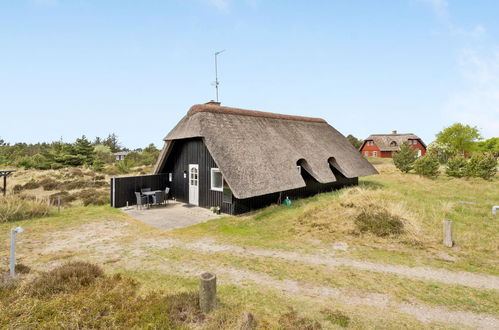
(422, 203)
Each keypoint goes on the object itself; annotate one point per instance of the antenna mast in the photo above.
(216, 72)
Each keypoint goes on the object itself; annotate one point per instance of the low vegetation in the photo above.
(427, 166)
(14, 209)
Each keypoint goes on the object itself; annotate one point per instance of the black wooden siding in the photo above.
(313, 187)
(192, 151)
(124, 188)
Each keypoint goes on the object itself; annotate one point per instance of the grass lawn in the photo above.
(166, 264)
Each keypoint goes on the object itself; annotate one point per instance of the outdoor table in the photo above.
(149, 194)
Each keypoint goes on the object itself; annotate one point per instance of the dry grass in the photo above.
(14, 209)
(292, 321)
(360, 210)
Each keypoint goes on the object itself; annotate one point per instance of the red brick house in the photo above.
(383, 145)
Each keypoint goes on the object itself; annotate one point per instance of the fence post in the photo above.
(494, 209)
(448, 233)
(59, 203)
(12, 264)
(207, 292)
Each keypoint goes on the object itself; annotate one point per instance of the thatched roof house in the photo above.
(257, 154)
(383, 145)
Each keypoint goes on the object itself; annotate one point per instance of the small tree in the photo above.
(456, 167)
(405, 158)
(481, 166)
(442, 151)
(427, 166)
(461, 138)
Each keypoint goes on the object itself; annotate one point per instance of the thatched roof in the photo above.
(257, 152)
(391, 142)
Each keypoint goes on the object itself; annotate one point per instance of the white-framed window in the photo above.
(170, 177)
(366, 153)
(375, 154)
(217, 180)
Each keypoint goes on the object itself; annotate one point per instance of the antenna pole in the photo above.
(216, 72)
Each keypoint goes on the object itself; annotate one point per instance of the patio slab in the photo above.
(172, 215)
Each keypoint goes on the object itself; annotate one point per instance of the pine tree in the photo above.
(84, 148)
(405, 158)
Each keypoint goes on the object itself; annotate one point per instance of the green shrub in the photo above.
(14, 209)
(456, 167)
(481, 166)
(379, 222)
(405, 158)
(427, 166)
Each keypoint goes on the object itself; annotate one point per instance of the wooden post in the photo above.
(4, 185)
(448, 233)
(59, 203)
(207, 292)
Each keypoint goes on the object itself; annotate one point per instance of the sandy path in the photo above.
(424, 313)
(136, 255)
(480, 281)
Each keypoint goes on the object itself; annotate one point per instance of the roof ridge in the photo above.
(214, 108)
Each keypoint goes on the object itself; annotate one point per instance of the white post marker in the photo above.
(13, 233)
(494, 209)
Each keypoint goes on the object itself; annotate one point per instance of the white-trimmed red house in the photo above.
(384, 145)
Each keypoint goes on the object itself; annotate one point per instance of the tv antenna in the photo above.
(216, 72)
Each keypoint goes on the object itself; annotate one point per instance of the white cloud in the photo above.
(221, 5)
(478, 103)
(441, 9)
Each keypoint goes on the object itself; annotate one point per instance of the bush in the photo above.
(92, 197)
(405, 158)
(379, 222)
(427, 166)
(14, 209)
(456, 167)
(79, 295)
(66, 198)
(68, 277)
(481, 166)
(49, 184)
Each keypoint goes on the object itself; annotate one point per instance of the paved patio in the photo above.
(172, 215)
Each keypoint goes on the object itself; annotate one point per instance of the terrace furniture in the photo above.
(143, 190)
(141, 200)
(158, 197)
(167, 190)
(150, 195)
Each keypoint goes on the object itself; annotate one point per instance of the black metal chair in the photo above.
(158, 198)
(141, 200)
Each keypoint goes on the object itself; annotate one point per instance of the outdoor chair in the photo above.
(167, 190)
(141, 200)
(143, 190)
(158, 198)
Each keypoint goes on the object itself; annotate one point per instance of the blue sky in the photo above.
(73, 67)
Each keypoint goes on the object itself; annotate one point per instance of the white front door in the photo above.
(194, 184)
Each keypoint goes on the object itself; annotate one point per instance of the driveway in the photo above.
(172, 215)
